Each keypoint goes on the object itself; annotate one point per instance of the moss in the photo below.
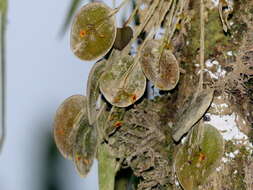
(229, 146)
(216, 41)
(238, 177)
(214, 35)
(236, 167)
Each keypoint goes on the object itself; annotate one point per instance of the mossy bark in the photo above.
(235, 172)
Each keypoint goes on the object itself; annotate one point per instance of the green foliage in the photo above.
(118, 122)
(93, 92)
(93, 31)
(3, 6)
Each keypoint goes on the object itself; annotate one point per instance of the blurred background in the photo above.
(41, 72)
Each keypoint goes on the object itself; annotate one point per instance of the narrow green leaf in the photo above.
(3, 15)
(93, 91)
(193, 113)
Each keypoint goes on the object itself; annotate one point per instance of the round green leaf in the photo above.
(123, 83)
(64, 121)
(93, 31)
(195, 161)
(159, 65)
(93, 92)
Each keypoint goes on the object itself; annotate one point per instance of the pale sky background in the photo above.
(41, 73)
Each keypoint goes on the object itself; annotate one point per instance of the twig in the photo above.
(3, 10)
(171, 27)
(202, 44)
(139, 29)
(131, 16)
(200, 127)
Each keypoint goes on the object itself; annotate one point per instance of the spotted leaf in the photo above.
(93, 31)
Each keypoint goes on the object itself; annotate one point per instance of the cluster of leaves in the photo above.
(114, 122)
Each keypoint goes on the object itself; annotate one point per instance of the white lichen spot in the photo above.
(214, 64)
(143, 6)
(210, 63)
(230, 53)
(224, 160)
(184, 139)
(226, 124)
(160, 33)
(215, 2)
(230, 155)
(236, 152)
(218, 169)
(177, 183)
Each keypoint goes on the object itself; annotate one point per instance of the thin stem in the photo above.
(173, 16)
(200, 127)
(140, 28)
(112, 13)
(202, 43)
(3, 10)
(118, 8)
(131, 16)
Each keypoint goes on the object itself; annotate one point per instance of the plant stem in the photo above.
(3, 10)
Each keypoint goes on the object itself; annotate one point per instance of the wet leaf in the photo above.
(84, 143)
(93, 31)
(123, 37)
(107, 168)
(193, 113)
(195, 161)
(123, 83)
(64, 123)
(93, 92)
(159, 65)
